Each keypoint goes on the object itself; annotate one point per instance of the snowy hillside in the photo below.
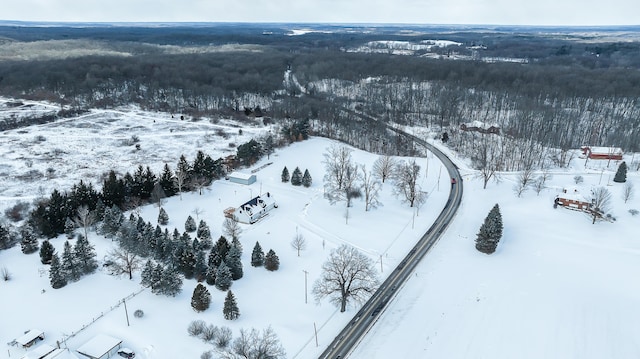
(557, 287)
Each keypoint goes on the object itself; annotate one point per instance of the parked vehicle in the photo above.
(126, 353)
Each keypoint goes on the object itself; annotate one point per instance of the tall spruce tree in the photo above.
(29, 241)
(46, 252)
(285, 175)
(163, 217)
(201, 298)
(69, 228)
(56, 274)
(190, 225)
(296, 177)
(271, 261)
(204, 235)
(200, 269)
(85, 255)
(230, 309)
(306, 179)
(490, 232)
(621, 174)
(70, 265)
(223, 277)
(234, 263)
(257, 256)
(146, 276)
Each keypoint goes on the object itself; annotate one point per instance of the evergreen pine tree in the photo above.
(285, 175)
(271, 261)
(85, 255)
(219, 251)
(156, 279)
(163, 217)
(204, 235)
(621, 174)
(29, 241)
(56, 274)
(167, 182)
(230, 309)
(235, 242)
(170, 282)
(306, 179)
(70, 265)
(211, 275)
(223, 277)
(146, 276)
(46, 252)
(296, 177)
(257, 256)
(490, 232)
(186, 261)
(234, 263)
(200, 269)
(201, 298)
(69, 228)
(190, 225)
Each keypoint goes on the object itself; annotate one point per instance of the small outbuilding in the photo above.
(242, 178)
(101, 346)
(30, 337)
(42, 351)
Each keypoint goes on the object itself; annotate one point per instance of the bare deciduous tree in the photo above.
(180, 178)
(231, 228)
(84, 218)
(337, 161)
(123, 261)
(383, 167)
(158, 196)
(347, 275)
(253, 345)
(627, 191)
(299, 243)
(371, 188)
(600, 200)
(406, 181)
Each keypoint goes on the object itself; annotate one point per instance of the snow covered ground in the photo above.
(557, 287)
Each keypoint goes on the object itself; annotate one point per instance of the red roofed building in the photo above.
(602, 153)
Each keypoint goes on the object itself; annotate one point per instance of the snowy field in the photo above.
(557, 287)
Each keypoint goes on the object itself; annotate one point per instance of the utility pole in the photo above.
(380, 263)
(305, 286)
(125, 310)
(316, 332)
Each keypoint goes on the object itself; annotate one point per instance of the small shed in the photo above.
(40, 352)
(256, 208)
(242, 178)
(101, 346)
(30, 337)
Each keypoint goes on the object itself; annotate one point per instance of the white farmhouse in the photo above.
(254, 209)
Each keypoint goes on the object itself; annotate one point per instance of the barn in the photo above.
(43, 351)
(252, 210)
(101, 346)
(602, 153)
(242, 178)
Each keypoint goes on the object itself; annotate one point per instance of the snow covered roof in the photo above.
(60, 354)
(241, 175)
(99, 346)
(40, 352)
(572, 194)
(29, 336)
(605, 150)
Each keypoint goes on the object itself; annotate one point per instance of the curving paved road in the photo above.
(362, 322)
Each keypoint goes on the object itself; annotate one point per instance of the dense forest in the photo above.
(549, 88)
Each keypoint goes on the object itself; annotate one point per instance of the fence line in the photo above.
(102, 314)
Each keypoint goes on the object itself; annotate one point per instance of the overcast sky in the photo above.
(494, 12)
